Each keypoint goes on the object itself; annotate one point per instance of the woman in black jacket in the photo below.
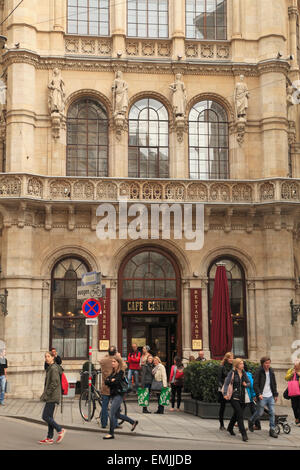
(240, 382)
(226, 366)
(147, 377)
(115, 382)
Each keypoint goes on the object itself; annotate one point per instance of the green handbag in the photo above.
(165, 394)
(143, 396)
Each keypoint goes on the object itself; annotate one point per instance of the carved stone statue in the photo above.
(179, 99)
(120, 94)
(241, 95)
(57, 94)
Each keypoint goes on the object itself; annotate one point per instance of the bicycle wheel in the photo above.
(84, 405)
(277, 429)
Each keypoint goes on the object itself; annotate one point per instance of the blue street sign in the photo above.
(91, 308)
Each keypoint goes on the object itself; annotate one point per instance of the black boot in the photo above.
(245, 437)
(231, 431)
(145, 410)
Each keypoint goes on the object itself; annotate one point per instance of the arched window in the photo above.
(87, 139)
(147, 18)
(68, 332)
(237, 297)
(88, 17)
(149, 275)
(148, 152)
(206, 19)
(208, 141)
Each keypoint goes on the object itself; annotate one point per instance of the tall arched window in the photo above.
(148, 152)
(87, 139)
(208, 141)
(68, 332)
(237, 298)
(206, 19)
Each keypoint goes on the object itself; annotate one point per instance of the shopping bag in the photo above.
(165, 394)
(143, 396)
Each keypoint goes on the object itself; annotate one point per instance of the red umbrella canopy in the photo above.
(221, 333)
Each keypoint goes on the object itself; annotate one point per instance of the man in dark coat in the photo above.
(265, 389)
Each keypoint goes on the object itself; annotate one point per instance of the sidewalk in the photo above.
(171, 425)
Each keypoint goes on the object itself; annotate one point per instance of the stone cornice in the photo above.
(142, 65)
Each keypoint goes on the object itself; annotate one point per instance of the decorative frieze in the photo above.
(148, 48)
(88, 46)
(113, 189)
(208, 51)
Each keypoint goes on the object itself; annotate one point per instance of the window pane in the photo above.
(206, 19)
(147, 18)
(208, 141)
(88, 17)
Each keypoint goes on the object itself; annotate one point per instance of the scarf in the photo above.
(155, 369)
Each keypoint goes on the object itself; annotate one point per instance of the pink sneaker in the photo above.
(47, 441)
(61, 435)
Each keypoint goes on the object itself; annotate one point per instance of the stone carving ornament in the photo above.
(241, 95)
(120, 101)
(179, 102)
(56, 101)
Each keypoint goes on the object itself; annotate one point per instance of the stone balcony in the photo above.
(73, 189)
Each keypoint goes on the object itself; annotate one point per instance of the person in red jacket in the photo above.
(176, 381)
(134, 358)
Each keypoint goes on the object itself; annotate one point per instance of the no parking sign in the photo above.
(91, 308)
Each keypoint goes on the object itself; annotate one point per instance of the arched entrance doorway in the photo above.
(150, 304)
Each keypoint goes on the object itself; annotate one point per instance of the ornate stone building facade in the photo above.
(155, 101)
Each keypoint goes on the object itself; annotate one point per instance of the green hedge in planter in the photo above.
(201, 379)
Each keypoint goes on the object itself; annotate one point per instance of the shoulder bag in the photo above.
(229, 388)
(293, 387)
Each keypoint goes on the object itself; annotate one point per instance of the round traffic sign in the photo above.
(91, 308)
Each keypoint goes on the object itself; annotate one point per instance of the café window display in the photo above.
(68, 332)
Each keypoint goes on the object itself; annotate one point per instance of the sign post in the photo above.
(91, 309)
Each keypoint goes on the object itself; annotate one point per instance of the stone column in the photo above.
(177, 28)
(118, 27)
(293, 16)
(274, 123)
(251, 317)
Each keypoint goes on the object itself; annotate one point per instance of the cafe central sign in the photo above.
(149, 306)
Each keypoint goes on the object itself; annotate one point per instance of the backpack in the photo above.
(64, 384)
(124, 385)
(179, 377)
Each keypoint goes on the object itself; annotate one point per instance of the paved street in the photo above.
(177, 430)
(23, 435)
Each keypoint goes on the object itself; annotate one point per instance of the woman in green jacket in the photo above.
(52, 396)
(295, 400)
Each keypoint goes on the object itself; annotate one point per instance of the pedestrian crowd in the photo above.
(146, 373)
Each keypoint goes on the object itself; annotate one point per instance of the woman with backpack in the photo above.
(52, 396)
(176, 382)
(118, 387)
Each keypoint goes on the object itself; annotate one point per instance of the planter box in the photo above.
(191, 406)
(211, 410)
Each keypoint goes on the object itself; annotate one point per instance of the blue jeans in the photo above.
(104, 410)
(135, 374)
(269, 402)
(2, 388)
(48, 417)
(115, 413)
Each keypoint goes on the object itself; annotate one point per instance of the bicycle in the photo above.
(96, 397)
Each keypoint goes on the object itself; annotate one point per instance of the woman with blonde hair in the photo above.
(225, 367)
(294, 374)
(160, 379)
(240, 382)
